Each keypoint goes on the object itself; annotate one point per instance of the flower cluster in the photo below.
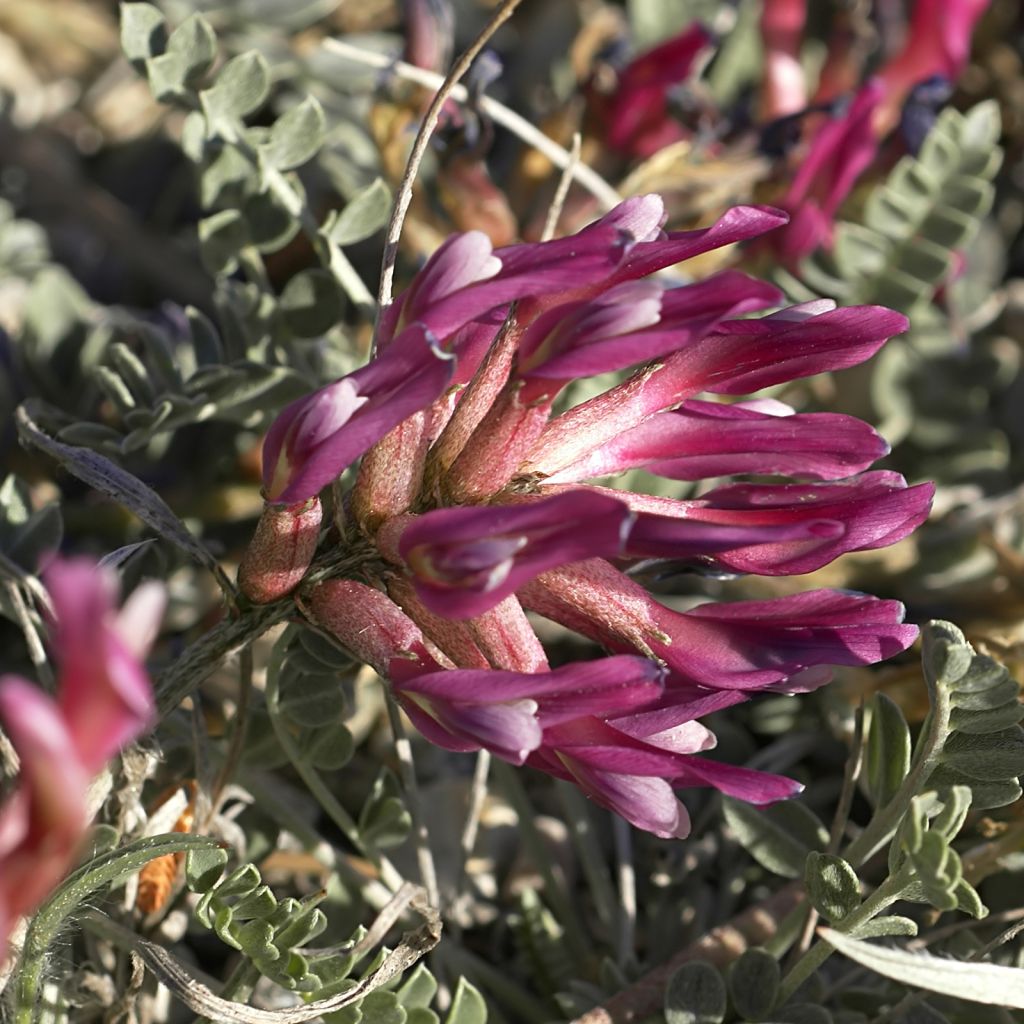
(103, 701)
(472, 503)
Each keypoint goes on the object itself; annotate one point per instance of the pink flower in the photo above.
(103, 702)
(938, 42)
(465, 560)
(637, 115)
(474, 505)
(840, 150)
(702, 439)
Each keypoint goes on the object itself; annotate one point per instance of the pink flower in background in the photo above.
(837, 154)
(478, 503)
(103, 701)
(637, 114)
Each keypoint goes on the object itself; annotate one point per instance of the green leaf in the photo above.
(777, 837)
(995, 719)
(695, 994)
(995, 757)
(384, 820)
(221, 236)
(329, 749)
(108, 478)
(832, 886)
(296, 136)
(271, 226)
(312, 303)
(418, 989)
(143, 31)
(880, 927)
(364, 215)
(754, 983)
(203, 868)
(985, 983)
(468, 1006)
(956, 802)
(195, 45)
(984, 795)
(887, 749)
(241, 88)
(381, 1008)
(99, 873)
(27, 535)
(314, 701)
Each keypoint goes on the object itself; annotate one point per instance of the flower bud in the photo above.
(281, 550)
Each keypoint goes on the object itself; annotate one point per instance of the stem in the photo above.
(626, 934)
(583, 175)
(239, 725)
(390, 875)
(581, 828)
(884, 896)
(34, 642)
(421, 834)
(419, 148)
(562, 192)
(541, 856)
(887, 819)
(202, 658)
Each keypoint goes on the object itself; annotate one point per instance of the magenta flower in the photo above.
(631, 763)
(838, 153)
(464, 561)
(780, 644)
(702, 439)
(316, 438)
(469, 709)
(938, 43)
(637, 115)
(473, 503)
(865, 512)
(103, 702)
(735, 357)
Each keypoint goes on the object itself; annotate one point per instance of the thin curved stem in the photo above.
(419, 148)
(586, 177)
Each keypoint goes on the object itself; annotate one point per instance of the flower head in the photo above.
(481, 501)
(103, 701)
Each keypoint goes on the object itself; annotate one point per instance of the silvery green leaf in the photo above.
(994, 757)
(221, 236)
(195, 44)
(312, 303)
(98, 471)
(986, 983)
(777, 837)
(241, 88)
(329, 749)
(887, 749)
(228, 176)
(384, 820)
(27, 535)
(418, 989)
(364, 215)
(271, 227)
(203, 868)
(143, 31)
(984, 795)
(256, 905)
(381, 1008)
(995, 719)
(889, 924)
(296, 136)
(754, 983)
(832, 885)
(168, 74)
(695, 994)
(468, 1006)
(956, 802)
(314, 701)
(421, 1015)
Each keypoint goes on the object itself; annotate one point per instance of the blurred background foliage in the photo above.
(165, 289)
